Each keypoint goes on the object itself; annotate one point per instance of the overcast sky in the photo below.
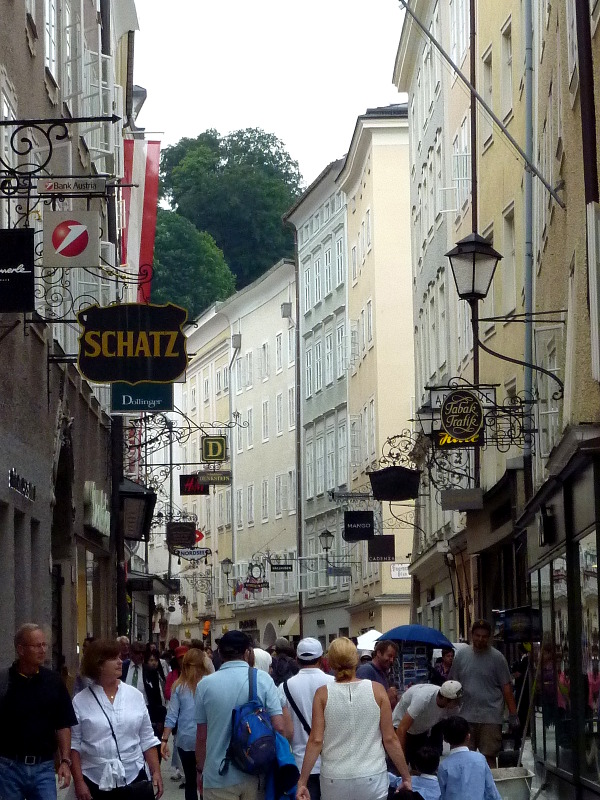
(301, 69)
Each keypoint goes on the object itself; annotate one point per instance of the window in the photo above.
(239, 438)
(328, 358)
(239, 499)
(279, 414)
(291, 347)
(206, 390)
(318, 367)
(278, 352)
(372, 432)
(318, 286)
(307, 304)
(264, 361)
(225, 380)
(363, 247)
(51, 34)
(250, 507)
(249, 370)
(572, 45)
(193, 398)
(291, 482)
(327, 271)
(264, 500)
(218, 381)
(227, 506)
(342, 454)
(355, 440)
(369, 321)
(339, 261)
(509, 280)
(442, 330)
(320, 465)
(280, 494)
(340, 346)
(368, 225)
(250, 429)
(292, 407)
(363, 331)
(487, 129)
(308, 372)
(506, 74)
(265, 420)
(330, 461)
(221, 509)
(310, 471)
(354, 264)
(238, 375)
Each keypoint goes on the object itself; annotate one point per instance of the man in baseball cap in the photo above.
(419, 711)
(297, 695)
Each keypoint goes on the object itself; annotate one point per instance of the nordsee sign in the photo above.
(125, 398)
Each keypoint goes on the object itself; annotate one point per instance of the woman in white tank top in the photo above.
(351, 731)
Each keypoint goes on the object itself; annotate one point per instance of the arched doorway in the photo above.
(269, 636)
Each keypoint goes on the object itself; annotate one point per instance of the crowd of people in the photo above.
(340, 727)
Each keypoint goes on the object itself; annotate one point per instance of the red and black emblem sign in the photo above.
(132, 342)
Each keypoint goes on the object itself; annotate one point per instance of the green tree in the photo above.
(189, 268)
(237, 188)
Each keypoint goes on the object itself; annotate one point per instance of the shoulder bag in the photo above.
(139, 789)
(295, 708)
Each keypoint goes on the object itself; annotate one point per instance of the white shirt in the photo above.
(140, 680)
(302, 687)
(420, 701)
(93, 740)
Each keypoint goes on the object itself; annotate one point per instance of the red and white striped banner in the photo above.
(141, 162)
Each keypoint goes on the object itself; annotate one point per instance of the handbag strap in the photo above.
(112, 730)
(297, 711)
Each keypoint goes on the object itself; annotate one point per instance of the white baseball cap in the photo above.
(451, 690)
(309, 649)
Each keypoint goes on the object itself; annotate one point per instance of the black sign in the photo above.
(181, 534)
(282, 567)
(132, 342)
(214, 448)
(221, 477)
(252, 585)
(462, 415)
(382, 548)
(189, 484)
(358, 525)
(16, 270)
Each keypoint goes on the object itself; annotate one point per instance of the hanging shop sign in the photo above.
(444, 441)
(358, 526)
(214, 478)
(281, 567)
(16, 270)
(338, 572)
(214, 448)
(132, 343)
(190, 485)
(181, 535)
(71, 239)
(125, 398)
(461, 416)
(382, 548)
(252, 585)
(71, 185)
(194, 553)
(485, 394)
(400, 570)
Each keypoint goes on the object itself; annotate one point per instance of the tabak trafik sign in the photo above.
(461, 418)
(132, 343)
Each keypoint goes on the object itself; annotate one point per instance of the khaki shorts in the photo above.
(247, 790)
(486, 737)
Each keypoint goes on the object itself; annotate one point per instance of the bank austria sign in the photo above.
(132, 343)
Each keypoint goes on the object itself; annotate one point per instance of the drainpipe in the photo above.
(299, 514)
(528, 283)
(586, 101)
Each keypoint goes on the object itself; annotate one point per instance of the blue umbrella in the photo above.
(418, 634)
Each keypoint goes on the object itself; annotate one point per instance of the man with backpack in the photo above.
(237, 711)
(297, 695)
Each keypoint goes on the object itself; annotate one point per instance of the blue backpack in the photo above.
(252, 744)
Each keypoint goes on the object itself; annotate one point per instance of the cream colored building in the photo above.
(374, 179)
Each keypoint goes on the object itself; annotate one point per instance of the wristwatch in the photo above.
(66, 761)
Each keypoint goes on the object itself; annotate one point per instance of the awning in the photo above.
(152, 584)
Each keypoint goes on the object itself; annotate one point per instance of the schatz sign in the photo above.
(132, 343)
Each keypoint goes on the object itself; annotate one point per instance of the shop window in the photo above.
(590, 667)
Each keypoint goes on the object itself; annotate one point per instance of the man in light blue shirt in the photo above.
(465, 772)
(216, 697)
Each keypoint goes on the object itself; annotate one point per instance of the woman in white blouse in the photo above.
(113, 740)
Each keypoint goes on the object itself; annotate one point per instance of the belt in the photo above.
(29, 761)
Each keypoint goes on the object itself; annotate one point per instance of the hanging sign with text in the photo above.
(181, 535)
(71, 239)
(132, 343)
(214, 448)
(358, 525)
(190, 485)
(382, 548)
(16, 270)
(462, 417)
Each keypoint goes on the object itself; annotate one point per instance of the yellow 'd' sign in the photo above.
(214, 448)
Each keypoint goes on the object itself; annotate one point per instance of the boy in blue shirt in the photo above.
(464, 773)
(425, 784)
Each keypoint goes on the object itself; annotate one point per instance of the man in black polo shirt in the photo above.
(36, 714)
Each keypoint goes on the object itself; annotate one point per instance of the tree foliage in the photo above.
(189, 268)
(237, 188)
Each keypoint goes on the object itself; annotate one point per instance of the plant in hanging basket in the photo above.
(395, 483)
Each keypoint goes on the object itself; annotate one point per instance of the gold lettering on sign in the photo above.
(461, 416)
(131, 344)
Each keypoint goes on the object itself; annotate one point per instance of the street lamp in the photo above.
(326, 540)
(227, 566)
(473, 261)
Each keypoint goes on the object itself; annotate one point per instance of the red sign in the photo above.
(189, 484)
(70, 238)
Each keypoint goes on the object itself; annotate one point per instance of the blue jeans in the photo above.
(27, 782)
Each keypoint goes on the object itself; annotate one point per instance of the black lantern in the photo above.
(473, 262)
(137, 507)
(326, 540)
(395, 483)
(227, 566)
